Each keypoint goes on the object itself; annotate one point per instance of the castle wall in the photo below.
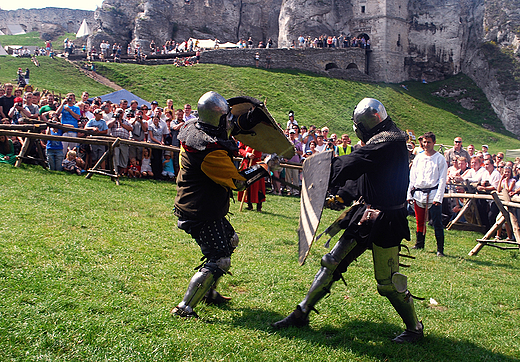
(341, 63)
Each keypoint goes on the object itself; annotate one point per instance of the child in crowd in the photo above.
(134, 170)
(69, 163)
(146, 164)
(168, 166)
(54, 150)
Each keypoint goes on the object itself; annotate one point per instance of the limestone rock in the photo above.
(141, 22)
(50, 21)
(313, 18)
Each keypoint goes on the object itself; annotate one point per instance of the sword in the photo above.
(286, 183)
(334, 228)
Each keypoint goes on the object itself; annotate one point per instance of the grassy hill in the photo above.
(33, 39)
(315, 100)
(324, 101)
(56, 75)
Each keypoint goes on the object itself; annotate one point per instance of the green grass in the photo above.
(322, 101)
(33, 39)
(89, 271)
(56, 75)
(315, 100)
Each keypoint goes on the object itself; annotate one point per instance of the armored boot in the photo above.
(320, 286)
(199, 285)
(403, 304)
(214, 297)
(419, 244)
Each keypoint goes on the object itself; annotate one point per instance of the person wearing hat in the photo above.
(167, 164)
(153, 105)
(99, 127)
(485, 149)
(291, 122)
(18, 112)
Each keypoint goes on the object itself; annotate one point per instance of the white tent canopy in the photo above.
(2, 51)
(83, 29)
(228, 45)
(1, 32)
(15, 29)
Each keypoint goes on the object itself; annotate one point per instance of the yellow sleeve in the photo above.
(218, 166)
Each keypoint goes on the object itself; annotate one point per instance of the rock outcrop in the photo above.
(141, 22)
(49, 22)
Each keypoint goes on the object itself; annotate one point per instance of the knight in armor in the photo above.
(379, 223)
(205, 182)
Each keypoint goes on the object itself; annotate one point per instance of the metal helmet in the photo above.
(211, 107)
(367, 115)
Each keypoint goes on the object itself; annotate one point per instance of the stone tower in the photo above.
(385, 24)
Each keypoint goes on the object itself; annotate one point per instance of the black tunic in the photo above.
(381, 168)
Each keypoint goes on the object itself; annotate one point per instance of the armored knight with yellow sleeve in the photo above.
(206, 180)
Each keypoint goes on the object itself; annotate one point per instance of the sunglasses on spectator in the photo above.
(458, 141)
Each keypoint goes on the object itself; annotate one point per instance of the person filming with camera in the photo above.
(120, 128)
(70, 115)
(18, 112)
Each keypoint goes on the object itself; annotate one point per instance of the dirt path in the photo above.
(97, 77)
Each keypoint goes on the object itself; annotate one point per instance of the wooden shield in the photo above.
(316, 174)
(266, 136)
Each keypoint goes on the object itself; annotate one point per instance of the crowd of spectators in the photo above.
(469, 170)
(107, 52)
(126, 120)
(476, 171)
(332, 41)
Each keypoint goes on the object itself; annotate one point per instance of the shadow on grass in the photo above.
(493, 264)
(371, 339)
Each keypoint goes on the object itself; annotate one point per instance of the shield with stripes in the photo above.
(316, 174)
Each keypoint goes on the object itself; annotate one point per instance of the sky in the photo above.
(37, 4)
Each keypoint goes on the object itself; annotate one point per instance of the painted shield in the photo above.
(266, 136)
(316, 174)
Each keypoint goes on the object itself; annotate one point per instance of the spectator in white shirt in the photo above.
(426, 190)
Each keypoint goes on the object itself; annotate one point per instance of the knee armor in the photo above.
(224, 264)
(332, 259)
(234, 240)
(398, 284)
(218, 267)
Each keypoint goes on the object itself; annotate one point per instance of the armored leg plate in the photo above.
(199, 285)
(393, 285)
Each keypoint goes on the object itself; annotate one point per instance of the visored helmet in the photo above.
(211, 107)
(368, 114)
